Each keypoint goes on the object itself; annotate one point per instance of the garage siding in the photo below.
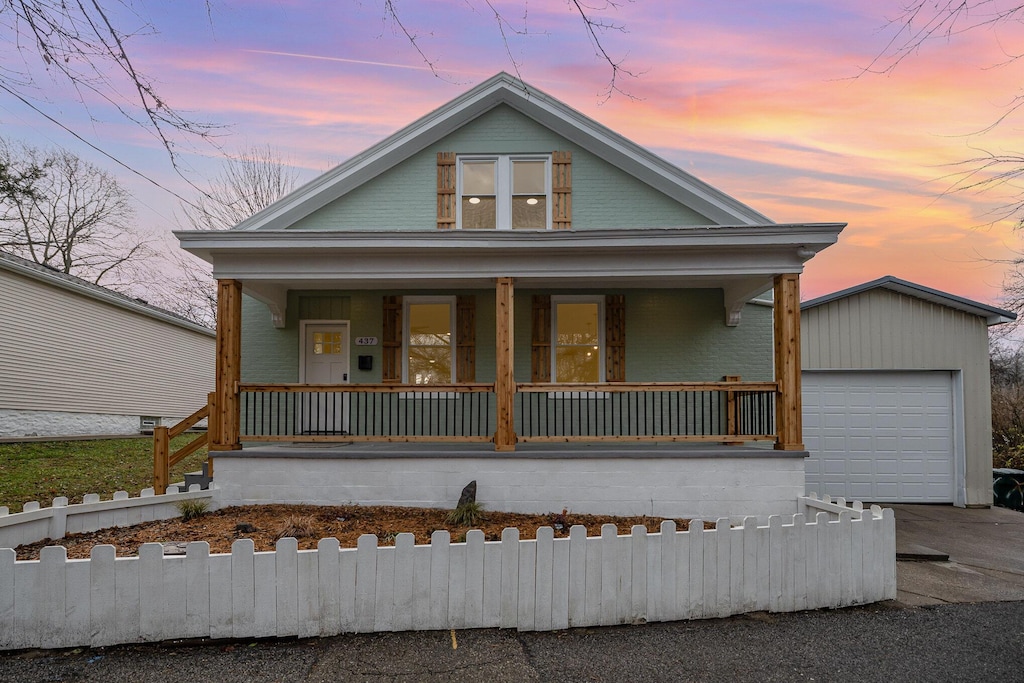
(884, 330)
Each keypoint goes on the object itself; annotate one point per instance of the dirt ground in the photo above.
(264, 524)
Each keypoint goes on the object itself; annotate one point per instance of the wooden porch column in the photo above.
(224, 422)
(788, 408)
(505, 380)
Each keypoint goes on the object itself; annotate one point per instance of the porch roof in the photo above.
(740, 259)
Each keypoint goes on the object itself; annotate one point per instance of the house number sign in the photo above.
(366, 341)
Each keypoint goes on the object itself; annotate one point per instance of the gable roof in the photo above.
(992, 315)
(504, 89)
(45, 274)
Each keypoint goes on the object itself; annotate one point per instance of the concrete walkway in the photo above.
(952, 555)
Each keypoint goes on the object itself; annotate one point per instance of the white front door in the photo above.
(325, 349)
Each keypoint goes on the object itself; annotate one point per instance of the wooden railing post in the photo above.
(161, 454)
(731, 414)
(789, 418)
(505, 381)
(212, 430)
(229, 359)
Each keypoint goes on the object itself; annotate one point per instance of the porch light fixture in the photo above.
(531, 201)
(474, 200)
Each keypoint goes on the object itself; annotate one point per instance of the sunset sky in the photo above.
(766, 101)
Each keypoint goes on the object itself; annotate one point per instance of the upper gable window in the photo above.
(504, 192)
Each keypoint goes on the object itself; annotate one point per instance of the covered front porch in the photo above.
(506, 412)
(516, 413)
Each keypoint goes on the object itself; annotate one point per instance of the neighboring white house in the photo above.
(80, 359)
(896, 394)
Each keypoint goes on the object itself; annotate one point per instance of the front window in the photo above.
(429, 340)
(578, 339)
(504, 192)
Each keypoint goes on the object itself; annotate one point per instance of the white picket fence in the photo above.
(842, 556)
(35, 523)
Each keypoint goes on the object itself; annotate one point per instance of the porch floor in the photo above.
(534, 451)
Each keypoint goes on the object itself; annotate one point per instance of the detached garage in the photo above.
(896, 394)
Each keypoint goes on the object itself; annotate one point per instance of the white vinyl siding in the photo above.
(65, 351)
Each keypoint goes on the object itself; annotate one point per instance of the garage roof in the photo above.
(991, 314)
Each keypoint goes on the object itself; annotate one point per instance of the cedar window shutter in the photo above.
(615, 338)
(446, 190)
(391, 360)
(465, 339)
(541, 326)
(561, 190)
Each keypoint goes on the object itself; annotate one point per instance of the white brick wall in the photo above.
(17, 423)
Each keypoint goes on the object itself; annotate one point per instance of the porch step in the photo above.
(201, 478)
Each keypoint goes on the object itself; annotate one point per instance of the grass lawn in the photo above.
(41, 471)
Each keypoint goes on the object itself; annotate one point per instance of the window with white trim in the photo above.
(504, 192)
(577, 339)
(429, 340)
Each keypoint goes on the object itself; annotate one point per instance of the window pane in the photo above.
(479, 213)
(577, 364)
(429, 325)
(529, 212)
(478, 177)
(430, 338)
(430, 364)
(528, 177)
(577, 352)
(577, 324)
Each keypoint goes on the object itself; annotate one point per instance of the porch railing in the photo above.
(728, 412)
(721, 412)
(367, 412)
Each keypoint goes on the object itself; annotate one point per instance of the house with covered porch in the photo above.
(508, 291)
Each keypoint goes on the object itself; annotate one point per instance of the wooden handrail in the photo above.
(189, 422)
(474, 388)
(624, 387)
(164, 459)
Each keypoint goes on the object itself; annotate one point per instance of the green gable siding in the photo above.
(671, 335)
(405, 197)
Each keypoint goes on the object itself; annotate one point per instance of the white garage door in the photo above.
(880, 436)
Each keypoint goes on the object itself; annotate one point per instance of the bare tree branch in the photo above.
(924, 21)
(594, 26)
(245, 185)
(74, 217)
(78, 44)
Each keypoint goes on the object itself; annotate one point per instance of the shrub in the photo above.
(466, 514)
(295, 526)
(193, 509)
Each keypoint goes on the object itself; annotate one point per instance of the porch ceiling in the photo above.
(741, 260)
